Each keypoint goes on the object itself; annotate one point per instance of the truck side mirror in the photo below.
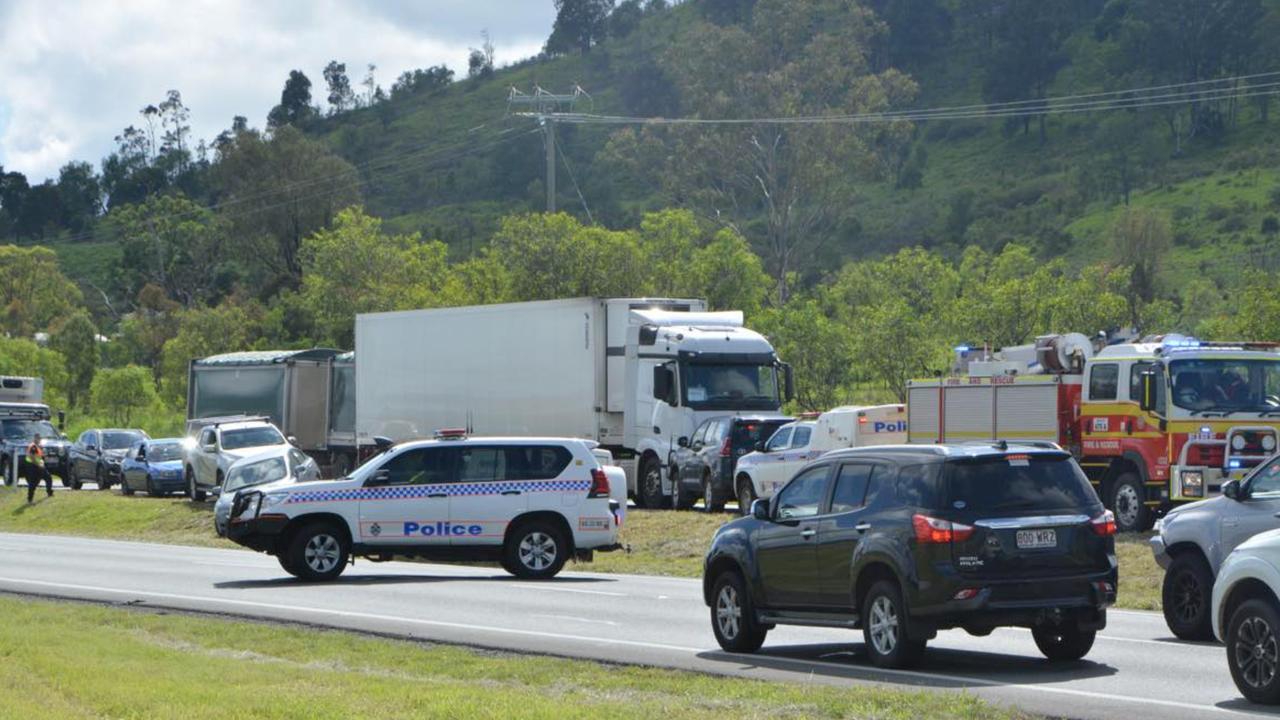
(1148, 400)
(662, 384)
(683, 441)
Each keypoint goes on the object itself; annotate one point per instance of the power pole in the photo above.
(544, 106)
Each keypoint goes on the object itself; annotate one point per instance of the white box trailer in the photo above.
(633, 374)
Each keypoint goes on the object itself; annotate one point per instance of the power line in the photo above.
(576, 189)
(1137, 98)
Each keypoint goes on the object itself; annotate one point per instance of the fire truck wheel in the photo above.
(1127, 495)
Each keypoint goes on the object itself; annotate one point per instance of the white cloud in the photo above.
(73, 74)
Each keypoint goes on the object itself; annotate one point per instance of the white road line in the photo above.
(577, 619)
(1167, 644)
(754, 660)
(548, 588)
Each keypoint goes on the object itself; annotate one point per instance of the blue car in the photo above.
(154, 467)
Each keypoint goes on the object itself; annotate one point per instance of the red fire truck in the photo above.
(1156, 422)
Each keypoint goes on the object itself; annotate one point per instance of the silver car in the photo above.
(1192, 541)
(274, 465)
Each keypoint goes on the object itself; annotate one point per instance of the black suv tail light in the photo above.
(942, 532)
(1104, 524)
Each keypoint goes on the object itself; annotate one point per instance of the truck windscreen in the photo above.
(24, 430)
(1226, 385)
(727, 387)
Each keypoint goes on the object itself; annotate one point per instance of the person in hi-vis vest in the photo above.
(36, 470)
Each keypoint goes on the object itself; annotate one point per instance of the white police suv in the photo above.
(529, 503)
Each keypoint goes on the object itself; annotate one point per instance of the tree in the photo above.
(280, 190)
(81, 195)
(422, 80)
(228, 327)
(782, 185)
(918, 30)
(76, 339)
(1027, 54)
(818, 348)
(1128, 152)
(295, 102)
(579, 24)
(121, 392)
(341, 97)
(550, 256)
(625, 18)
(175, 244)
(34, 292)
(143, 332)
(355, 268)
(1140, 238)
(480, 61)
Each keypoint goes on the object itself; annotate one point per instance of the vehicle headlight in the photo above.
(1159, 526)
(273, 499)
(1237, 442)
(1193, 483)
(248, 507)
(1268, 442)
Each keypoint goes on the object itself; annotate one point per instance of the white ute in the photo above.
(791, 447)
(218, 445)
(528, 503)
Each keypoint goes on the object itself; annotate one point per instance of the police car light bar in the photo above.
(451, 433)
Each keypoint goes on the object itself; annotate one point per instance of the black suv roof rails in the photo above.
(1003, 444)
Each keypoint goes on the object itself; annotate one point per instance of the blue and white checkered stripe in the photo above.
(409, 492)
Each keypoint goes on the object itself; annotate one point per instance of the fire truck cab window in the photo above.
(1135, 383)
(1103, 379)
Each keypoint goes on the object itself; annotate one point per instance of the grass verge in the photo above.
(95, 661)
(662, 542)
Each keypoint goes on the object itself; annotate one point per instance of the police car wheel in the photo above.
(316, 552)
(733, 618)
(746, 495)
(535, 551)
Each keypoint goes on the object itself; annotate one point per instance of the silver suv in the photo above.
(1192, 541)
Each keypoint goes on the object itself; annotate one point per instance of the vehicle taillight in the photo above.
(1104, 524)
(726, 449)
(934, 531)
(599, 484)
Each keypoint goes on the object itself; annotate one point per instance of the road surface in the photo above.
(1136, 669)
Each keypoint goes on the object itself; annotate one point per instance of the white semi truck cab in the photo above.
(632, 374)
(686, 367)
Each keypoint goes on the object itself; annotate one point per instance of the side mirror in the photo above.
(788, 382)
(292, 440)
(91, 447)
(382, 443)
(210, 447)
(662, 382)
(1231, 489)
(215, 492)
(381, 477)
(760, 509)
(683, 441)
(759, 446)
(1147, 403)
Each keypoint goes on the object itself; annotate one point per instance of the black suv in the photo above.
(705, 463)
(903, 541)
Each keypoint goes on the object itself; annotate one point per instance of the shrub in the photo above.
(121, 392)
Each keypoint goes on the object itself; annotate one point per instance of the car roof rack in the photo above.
(1003, 444)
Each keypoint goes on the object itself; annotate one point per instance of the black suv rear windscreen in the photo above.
(1015, 483)
(746, 433)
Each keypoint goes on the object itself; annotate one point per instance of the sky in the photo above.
(74, 73)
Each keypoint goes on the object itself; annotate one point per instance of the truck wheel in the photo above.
(711, 501)
(318, 551)
(193, 491)
(684, 496)
(535, 550)
(1127, 495)
(1253, 651)
(733, 619)
(1063, 644)
(746, 495)
(884, 628)
(1186, 596)
(651, 495)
